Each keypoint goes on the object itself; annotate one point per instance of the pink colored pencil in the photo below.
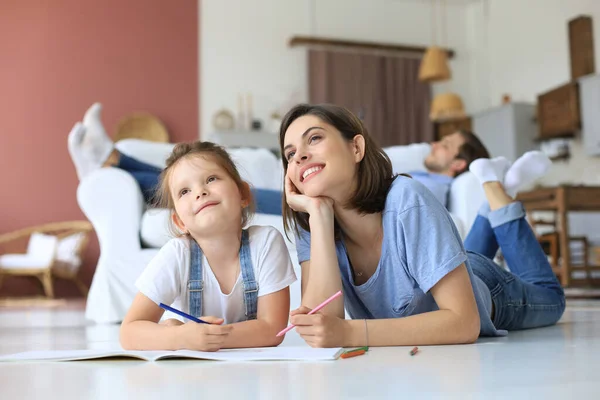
(314, 310)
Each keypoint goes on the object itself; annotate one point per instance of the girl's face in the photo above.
(206, 198)
(321, 162)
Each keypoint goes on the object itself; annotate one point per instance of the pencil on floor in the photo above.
(354, 353)
(414, 351)
(365, 348)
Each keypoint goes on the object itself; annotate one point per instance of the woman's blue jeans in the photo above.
(528, 296)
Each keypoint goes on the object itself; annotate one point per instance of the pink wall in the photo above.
(57, 57)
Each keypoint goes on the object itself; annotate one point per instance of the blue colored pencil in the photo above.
(182, 314)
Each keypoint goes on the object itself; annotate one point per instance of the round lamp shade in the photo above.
(446, 106)
(434, 65)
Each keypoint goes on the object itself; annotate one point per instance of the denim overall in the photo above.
(196, 284)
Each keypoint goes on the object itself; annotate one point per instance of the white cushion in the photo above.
(69, 267)
(408, 158)
(66, 250)
(21, 261)
(42, 248)
(155, 230)
(152, 153)
(259, 167)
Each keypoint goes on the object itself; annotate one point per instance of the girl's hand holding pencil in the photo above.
(204, 337)
(202, 334)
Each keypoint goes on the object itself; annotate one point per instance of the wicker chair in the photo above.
(56, 267)
(143, 126)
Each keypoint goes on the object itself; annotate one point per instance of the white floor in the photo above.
(561, 362)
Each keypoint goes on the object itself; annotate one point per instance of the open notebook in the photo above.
(239, 355)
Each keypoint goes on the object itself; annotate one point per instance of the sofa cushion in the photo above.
(155, 229)
(408, 158)
(259, 167)
(22, 261)
(42, 247)
(66, 249)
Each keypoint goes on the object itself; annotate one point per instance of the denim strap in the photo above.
(250, 284)
(195, 283)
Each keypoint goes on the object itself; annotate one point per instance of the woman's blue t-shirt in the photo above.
(420, 246)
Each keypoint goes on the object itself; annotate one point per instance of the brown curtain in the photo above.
(384, 91)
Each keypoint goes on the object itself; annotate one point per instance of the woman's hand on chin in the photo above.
(303, 203)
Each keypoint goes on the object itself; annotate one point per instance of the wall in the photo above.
(60, 56)
(244, 46)
(521, 48)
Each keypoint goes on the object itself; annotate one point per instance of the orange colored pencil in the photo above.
(353, 353)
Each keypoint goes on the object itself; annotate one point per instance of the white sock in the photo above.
(96, 143)
(82, 165)
(490, 170)
(529, 167)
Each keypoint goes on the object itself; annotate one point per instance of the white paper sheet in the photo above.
(237, 355)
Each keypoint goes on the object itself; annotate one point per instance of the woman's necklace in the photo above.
(357, 274)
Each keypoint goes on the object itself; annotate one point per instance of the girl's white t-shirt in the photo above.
(165, 278)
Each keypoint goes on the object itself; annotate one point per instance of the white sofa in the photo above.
(130, 234)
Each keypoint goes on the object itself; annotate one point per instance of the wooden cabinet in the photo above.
(508, 130)
(449, 127)
(558, 112)
(581, 46)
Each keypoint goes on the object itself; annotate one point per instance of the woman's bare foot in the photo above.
(113, 159)
(496, 195)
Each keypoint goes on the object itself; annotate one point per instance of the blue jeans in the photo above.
(146, 175)
(529, 296)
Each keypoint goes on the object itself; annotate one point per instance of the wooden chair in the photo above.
(550, 245)
(56, 268)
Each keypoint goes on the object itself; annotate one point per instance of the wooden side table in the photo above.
(562, 200)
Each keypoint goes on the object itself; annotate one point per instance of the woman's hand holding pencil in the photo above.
(318, 330)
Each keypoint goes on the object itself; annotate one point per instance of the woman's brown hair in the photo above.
(162, 196)
(374, 175)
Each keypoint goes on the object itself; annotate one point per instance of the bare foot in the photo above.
(496, 195)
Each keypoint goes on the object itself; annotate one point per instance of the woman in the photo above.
(393, 249)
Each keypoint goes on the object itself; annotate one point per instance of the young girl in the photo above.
(235, 279)
(394, 250)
